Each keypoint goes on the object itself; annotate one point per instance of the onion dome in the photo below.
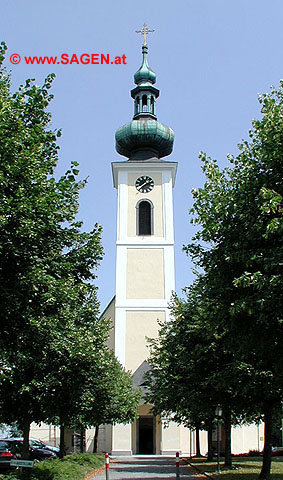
(144, 75)
(144, 137)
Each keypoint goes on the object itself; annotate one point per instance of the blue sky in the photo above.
(211, 57)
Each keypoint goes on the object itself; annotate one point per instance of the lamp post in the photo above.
(218, 414)
(190, 444)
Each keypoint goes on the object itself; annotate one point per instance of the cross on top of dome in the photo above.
(144, 31)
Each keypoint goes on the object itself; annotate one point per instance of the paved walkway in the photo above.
(143, 467)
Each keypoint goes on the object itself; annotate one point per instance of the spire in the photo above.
(144, 138)
(144, 75)
(145, 94)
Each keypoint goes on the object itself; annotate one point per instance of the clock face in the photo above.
(144, 184)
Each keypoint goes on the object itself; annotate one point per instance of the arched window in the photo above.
(144, 218)
(151, 104)
(137, 104)
(144, 103)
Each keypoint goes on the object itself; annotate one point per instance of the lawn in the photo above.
(72, 467)
(244, 468)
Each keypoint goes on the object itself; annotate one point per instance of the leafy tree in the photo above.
(233, 313)
(192, 370)
(54, 360)
(119, 399)
(46, 260)
(176, 357)
(86, 385)
(239, 211)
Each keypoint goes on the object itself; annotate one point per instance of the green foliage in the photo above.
(72, 467)
(54, 361)
(239, 211)
(227, 335)
(46, 260)
(176, 357)
(240, 214)
(192, 370)
(244, 469)
(86, 385)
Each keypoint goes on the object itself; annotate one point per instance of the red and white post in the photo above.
(177, 465)
(107, 466)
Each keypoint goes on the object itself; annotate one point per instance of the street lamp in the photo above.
(218, 414)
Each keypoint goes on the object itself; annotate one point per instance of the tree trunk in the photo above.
(198, 454)
(25, 447)
(209, 442)
(267, 451)
(227, 426)
(95, 439)
(62, 440)
(82, 432)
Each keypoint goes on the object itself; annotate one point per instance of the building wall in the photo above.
(244, 438)
(139, 326)
(203, 442)
(187, 441)
(49, 434)
(145, 273)
(247, 437)
(109, 314)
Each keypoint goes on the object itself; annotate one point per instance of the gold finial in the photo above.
(144, 31)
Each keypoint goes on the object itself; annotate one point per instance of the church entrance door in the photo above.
(146, 435)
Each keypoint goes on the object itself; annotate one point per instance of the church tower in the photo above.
(145, 235)
(144, 256)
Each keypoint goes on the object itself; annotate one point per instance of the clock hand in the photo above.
(147, 182)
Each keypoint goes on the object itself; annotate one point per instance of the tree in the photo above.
(239, 211)
(176, 359)
(118, 402)
(192, 370)
(232, 315)
(46, 261)
(85, 385)
(54, 360)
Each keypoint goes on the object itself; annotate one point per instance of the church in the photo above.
(144, 278)
(145, 271)
(144, 258)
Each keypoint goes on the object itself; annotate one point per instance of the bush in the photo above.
(71, 467)
(254, 453)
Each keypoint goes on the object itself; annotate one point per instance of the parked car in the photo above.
(35, 443)
(8, 451)
(12, 448)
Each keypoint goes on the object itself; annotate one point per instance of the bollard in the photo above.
(106, 466)
(177, 465)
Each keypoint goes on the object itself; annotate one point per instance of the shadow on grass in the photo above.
(28, 475)
(244, 468)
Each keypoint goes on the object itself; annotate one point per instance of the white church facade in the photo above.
(144, 261)
(145, 279)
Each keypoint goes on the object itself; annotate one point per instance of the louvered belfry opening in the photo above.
(144, 218)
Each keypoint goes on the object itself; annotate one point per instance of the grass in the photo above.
(71, 467)
(244, 468)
